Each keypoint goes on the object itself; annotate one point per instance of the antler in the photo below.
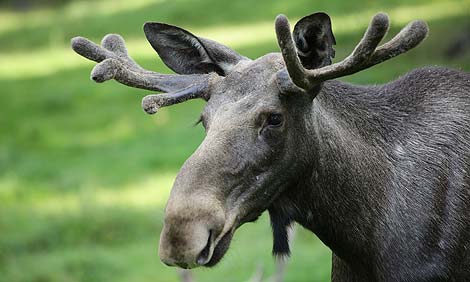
(365, 55)
(115, 63)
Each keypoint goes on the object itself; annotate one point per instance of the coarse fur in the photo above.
(381, 174)
(387, 184)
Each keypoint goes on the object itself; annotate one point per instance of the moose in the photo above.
(380, 173)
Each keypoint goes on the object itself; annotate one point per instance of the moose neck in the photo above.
(339, 196)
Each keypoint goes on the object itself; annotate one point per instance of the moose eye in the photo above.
(274, 120)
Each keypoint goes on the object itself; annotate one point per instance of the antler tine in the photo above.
(112, 68)
(289, 53)
(89, 50)
(115, 63)
(375, 32)
(408, 38)
(152, 103)
(114, 43)
(365, 55)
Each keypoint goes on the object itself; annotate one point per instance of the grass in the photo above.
(84, 173)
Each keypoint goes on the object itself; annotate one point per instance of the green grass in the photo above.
(85, 174)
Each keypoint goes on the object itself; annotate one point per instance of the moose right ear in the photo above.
(186, 53)
(314, 40)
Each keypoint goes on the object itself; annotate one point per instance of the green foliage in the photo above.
(84, 173)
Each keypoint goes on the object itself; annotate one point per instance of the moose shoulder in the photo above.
(381, 174)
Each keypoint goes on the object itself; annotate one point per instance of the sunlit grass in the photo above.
(152, 191)
(50, 61)
(147, 194)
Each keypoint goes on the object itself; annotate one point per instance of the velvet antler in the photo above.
(365, 55)
(115, 63)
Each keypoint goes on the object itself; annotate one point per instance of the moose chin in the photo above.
(380, 173)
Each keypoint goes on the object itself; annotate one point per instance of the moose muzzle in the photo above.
(194, 221)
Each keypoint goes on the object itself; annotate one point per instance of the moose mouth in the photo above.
(219, 250)
(222, 246)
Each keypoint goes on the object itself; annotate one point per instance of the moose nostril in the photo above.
(203, 256)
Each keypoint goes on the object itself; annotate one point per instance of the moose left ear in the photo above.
(185, 53)
(314, 40)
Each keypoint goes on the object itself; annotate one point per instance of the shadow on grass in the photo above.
(120, 245)
(29, 231)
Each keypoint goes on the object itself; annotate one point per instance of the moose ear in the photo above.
(185, 53)
(314, 40)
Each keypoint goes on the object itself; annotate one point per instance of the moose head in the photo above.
(259, 119)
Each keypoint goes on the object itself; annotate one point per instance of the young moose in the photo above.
(381, 174)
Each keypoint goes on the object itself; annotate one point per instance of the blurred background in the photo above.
(85, 173)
